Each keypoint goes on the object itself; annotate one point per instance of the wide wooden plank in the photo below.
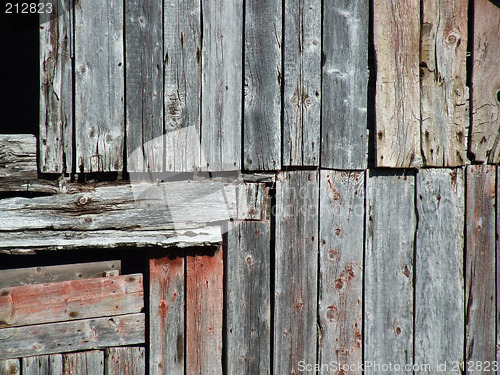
(480, 263)
(70, 336)
(10, 367)
(396, 32)
(302, 85)
(390, 230)
(182, 50)
(485, 135)
(345, 77)
(17, 161)
(439, 280)
(296, 270)
(248, 298)
(342, 197)
(221, 84)
(443, 93)
(166, 314)
(99, 85)
(84, 363)
(204, 304)
(69, 300)
(144, 80)
(43, 365)
(125, 361)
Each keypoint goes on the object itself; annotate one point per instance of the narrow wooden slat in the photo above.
(480, 263)
(17, 161)
(144, 80)
(125, 361)
(296, 270)
(443, 82)
(397, 45)
(302, 86)
(43, 365)
(84, 363)
(248, 298)
(498, 265)
(345, 77)
(254, 201)
(99, 85)
(390, 231)
(342, 197)
(439, 285)
(10, 367)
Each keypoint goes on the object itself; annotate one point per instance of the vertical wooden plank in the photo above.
(485, 134)
(144, 80)
(345, 80)
(390, 231)
(166, 315)
(439, 281)
(56, 88)
(182, 55)
(248, 301)
(43, 365)
(125, 361)
(296, 270)
(480, 263)
(498, 267)
(99, 85)
(10, 367)
(342, 211)
(221, 84)
(397, 45)
(443, 76)
(204, 303)
(302, 86)
(91, 362)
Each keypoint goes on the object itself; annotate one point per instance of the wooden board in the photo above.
(342, 198)
(43, 365)
(396, 32)
(144, 81)
(84, 363)
(17, 161)
(296, 270)
(10, 367)
(262, 107)
(56, 88)
(443, 77)
(390, 230)
(99, 86)
(253, 202)
(302, 85)
(125, 361)
(439, 280)
(498, 264)
(345, 77)
(248, 298)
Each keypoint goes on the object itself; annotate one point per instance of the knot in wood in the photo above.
(82, 200)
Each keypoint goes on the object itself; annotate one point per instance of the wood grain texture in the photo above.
(302, 85)
(144, 80)
(345, 78)
(56, 88)
(10, 367)
(439, 280)
(248, 298)
(17, 161)
(485, 134)
(390, 229)
(397, 44)
(99, 86)
(125, 361)
(342, 197)
(498, 265)
(480, 263)
(443, 76)
(84, 363)
(296, 270)
(43, 365)
(253, 202)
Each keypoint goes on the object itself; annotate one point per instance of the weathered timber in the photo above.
(296, 270)
(396, 29)
(84, 363)
(443, 90)
(345, 78)
(43, 365)
(498, 265)
(99, 85)
(342, 196)
(10, 367)
(390, 230)
(439, 280)
(253, 202)
(17, 161)
(125, 361)
(144, 80)
(70, 336)
(480, 263)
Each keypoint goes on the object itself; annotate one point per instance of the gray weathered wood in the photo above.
(144, 80)
(248, 298)
(84, 363)
(443, 82)
(10, 367)
(253, 202)
(302, 86)
(342, 197)
(439, 280)
(99, 85)
(56, 88)
(221, 84)
(125, 361)
(296, 270)
(17, 161)
(263, 76)
(43, 365)
(345, 78)
(498, 265)
(390, 230)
